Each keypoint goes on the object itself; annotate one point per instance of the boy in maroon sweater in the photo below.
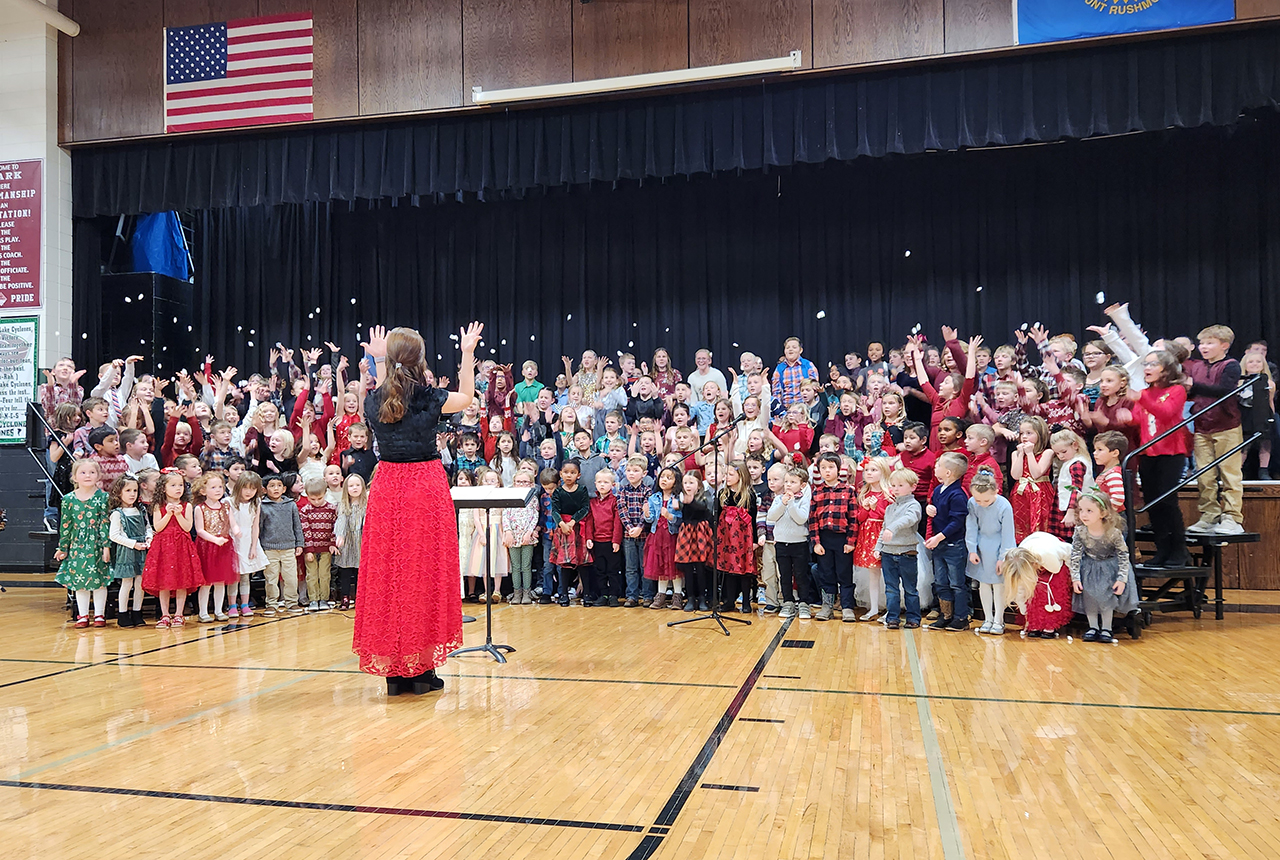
(318, 517)
(978, 440)
(603, 528)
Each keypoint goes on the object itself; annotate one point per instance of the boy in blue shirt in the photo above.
(948, 509)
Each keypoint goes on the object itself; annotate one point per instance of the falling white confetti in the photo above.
(250, 343)
(503, 342)
(84, 336)
(311, 316)
(453, 337)
(619, 353)
(439, 357)
(159, 366)
(666, 329)
(631, 343)
(822, 315)
(569, 317)
(59, 334)
(979, 289)
(253, 331)
(308, 337)
(175, 319)
(634, 325)
(140, 297)
(1101, 298)
(317, 310)
(143, 342)
(1024, 326)
(735, 346)
(128, 301)
(493, 352)
(531, 337)
(353, 301)
(1038, 324)
(239, 328)
(906, 254)
(166, 349)
(188, 328)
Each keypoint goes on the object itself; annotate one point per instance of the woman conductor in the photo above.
(409, 616)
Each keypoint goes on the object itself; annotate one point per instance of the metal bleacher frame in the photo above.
(1180, 589)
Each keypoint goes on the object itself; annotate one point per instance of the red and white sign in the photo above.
(20, 201)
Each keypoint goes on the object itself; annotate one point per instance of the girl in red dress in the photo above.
(409, 615)
(693, 542)
(663, 516)
(172, 563)
(1032, 494)
(735, 528)
(873, 501)
(214, 530)
(1039, 581)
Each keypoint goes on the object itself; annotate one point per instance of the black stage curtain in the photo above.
(1175, 81)
(1184, 224)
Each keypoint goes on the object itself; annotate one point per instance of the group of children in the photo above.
(658, 491)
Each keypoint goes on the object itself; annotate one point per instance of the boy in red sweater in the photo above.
(916, 456)
(318, 518)
(978, 440)
(603, 527)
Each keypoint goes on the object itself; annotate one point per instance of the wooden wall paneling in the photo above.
(973, 25)
(336, 68)
(1257, 8)
(118, 70)
(66, 46)
(734, 31)
(864, 31)
(190, 13)
(410, 55)
(516, 43)
(629, 37)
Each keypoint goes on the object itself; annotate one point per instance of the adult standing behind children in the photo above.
(704, 374)
(409, 615)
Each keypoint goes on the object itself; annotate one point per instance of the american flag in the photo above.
(247, 72)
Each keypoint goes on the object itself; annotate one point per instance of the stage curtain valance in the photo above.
(1179, 81)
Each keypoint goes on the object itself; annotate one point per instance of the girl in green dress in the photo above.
(130, 537)
(83, 546)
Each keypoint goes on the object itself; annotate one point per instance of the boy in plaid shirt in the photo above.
(833, 532)
(633, 500)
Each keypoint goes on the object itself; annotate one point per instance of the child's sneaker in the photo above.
(788, 610)
(246, 610)
(269, 611)
(806, 612)
(205, 618)
(314, 606)
(232, 612)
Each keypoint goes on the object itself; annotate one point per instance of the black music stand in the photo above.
(715, 614)
(489, 499)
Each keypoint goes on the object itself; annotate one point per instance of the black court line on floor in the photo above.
(213, 631)
(692, 777)
(329, 807)
(1001, 701)
(20, 583)
(759, 720)
(783, 677)
(720, 787)
(358, 672)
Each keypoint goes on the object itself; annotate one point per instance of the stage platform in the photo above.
(609, 735)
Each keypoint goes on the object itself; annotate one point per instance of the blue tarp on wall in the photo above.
(158, 246)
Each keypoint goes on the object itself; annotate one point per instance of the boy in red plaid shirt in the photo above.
(833, 532)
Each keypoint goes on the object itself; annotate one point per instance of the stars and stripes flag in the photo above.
(236, 73)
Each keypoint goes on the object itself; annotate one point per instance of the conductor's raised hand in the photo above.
(377, 343)
(471, 336)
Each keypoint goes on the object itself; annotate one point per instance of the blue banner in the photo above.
(1056, 20)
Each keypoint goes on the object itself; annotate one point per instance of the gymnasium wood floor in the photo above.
(609, 735)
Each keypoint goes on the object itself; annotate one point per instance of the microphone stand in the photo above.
(715, 614)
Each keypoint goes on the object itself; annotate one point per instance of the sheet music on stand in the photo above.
(489, 499)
